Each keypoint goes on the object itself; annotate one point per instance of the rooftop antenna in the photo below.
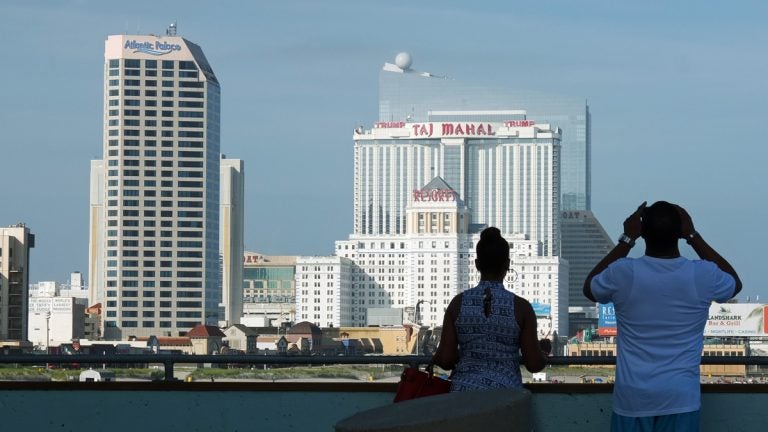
(171, 30)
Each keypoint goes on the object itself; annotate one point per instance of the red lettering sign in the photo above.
(434, 195)
(383, 125)
(252, 259)
(421, 129)
(519, 123)
(452, 129)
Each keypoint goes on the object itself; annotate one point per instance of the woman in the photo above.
(486, 327)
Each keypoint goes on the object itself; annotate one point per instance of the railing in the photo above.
(170, 360)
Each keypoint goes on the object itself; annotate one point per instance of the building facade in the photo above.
(423, 273)
(324, 290)
(269, 290)
(55, 320)
(421, 270)
(15, 244)
(406, 95)
(585, 243)
(154, 241)
(231, 231)
(507, 173)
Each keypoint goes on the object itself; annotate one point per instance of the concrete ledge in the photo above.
(495, 410)
(301, 406)
(291, 386)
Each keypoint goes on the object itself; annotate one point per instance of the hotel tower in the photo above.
(154, 201)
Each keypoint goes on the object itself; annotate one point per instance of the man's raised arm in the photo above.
(703, 249)
(632, 230)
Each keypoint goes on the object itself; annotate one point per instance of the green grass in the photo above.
(338, 371)
(577, 371)
(29, 373)
(361, 373)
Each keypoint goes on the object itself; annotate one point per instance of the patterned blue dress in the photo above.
(489, 347)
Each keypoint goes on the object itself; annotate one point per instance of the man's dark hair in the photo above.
(661, 227)
(492, 252)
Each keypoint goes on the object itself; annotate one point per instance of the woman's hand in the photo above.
(546, 346)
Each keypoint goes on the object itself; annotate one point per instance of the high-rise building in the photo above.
(154, 240)
(231, 231)
(15, 244)
(585, 243)
(507, 173)
(428, 177)
(406, 95)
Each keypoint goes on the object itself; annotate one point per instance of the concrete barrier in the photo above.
(494, 410)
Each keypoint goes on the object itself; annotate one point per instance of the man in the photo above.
(662, 302)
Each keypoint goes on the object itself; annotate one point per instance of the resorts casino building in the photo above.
(423, 192)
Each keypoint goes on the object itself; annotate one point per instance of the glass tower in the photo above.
(154, 248)
(410, 96)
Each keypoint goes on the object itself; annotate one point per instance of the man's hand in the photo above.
(686, 223)
(633, 225)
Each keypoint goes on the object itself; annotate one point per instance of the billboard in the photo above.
(737, 319)
(541, 309)
(606, 320)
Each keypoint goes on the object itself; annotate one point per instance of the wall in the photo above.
(82, 407)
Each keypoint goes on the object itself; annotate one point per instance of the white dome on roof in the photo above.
(403, 60)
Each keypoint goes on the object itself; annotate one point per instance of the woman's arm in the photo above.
(533, 357)
(447, 353)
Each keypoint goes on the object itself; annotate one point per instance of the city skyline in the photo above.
(672, 90)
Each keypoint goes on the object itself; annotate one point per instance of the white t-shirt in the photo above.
(661, 309)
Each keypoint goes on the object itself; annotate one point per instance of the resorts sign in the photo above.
(434, 195)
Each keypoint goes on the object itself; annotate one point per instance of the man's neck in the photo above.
(665, 253)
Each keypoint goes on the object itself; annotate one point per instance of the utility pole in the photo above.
(47, 331)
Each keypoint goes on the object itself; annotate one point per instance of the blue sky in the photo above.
(677, 92)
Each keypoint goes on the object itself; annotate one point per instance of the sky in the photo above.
(677, 93)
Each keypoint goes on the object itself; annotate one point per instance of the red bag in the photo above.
(415, 383)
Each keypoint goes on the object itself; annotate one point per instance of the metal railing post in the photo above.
(168, 364)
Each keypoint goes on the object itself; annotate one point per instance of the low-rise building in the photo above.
(55, 320)
(269, 290)
(206, 339)
(241, 338)
(602, 349)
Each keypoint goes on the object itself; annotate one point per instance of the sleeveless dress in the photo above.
(489, 347)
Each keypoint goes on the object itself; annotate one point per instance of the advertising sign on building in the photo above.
(541, 309)
(737, 319)
(606, 320)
